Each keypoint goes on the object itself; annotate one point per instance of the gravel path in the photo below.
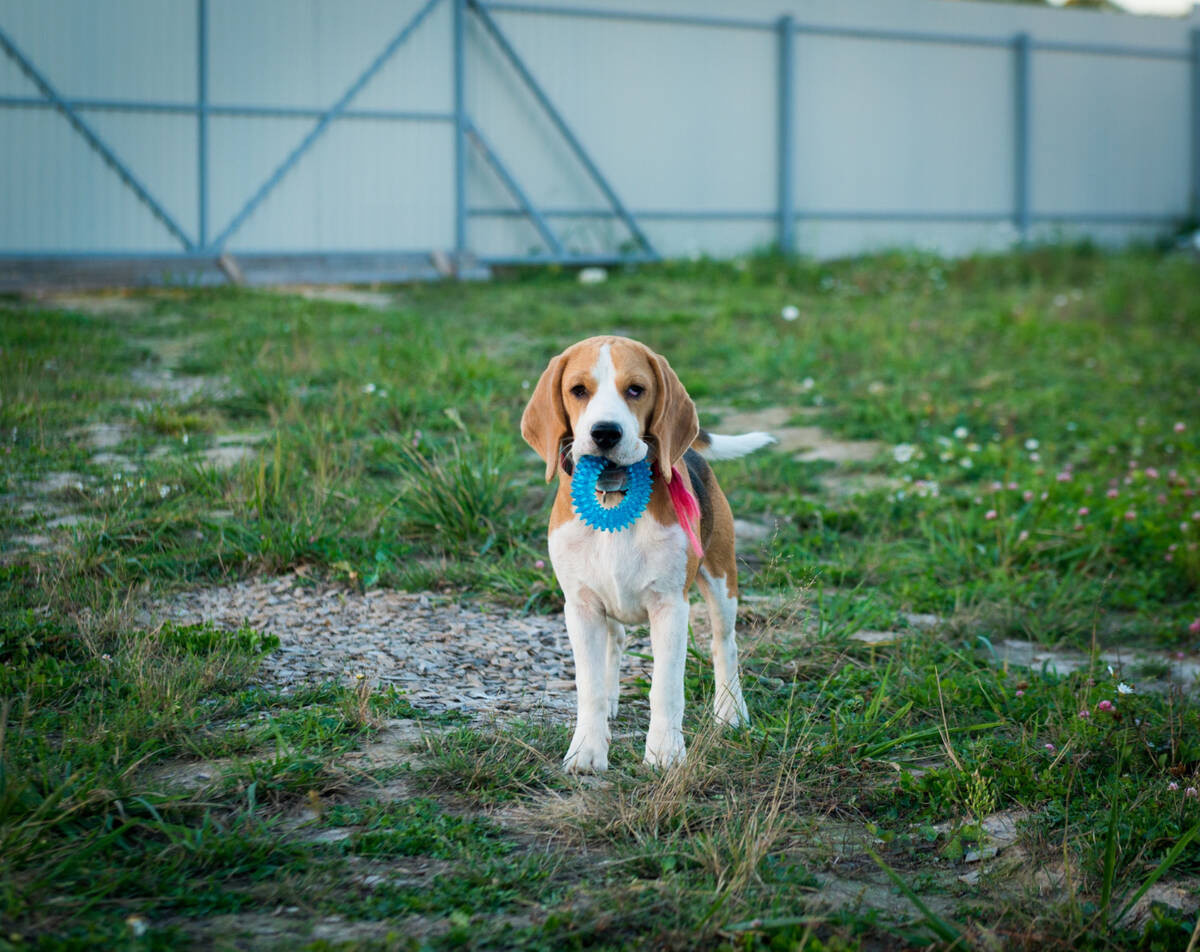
(442, 654)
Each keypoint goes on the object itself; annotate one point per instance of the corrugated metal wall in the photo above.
(895, 141)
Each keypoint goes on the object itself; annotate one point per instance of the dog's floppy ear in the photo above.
(544, 423)
(674, 423)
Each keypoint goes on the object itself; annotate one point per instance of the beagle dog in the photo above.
(615, 398)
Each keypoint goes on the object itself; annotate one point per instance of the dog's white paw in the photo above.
(730, 710)
(665, 749)
(586, 755)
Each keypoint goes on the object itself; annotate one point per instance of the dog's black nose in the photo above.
(606, 435)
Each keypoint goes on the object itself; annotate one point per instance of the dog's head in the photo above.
(611, 397)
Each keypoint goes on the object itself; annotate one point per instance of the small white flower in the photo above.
(1031, 444)
(973, 447)
(966, 462)
(593, 276)
(1123, 688)
(946, 456)
(790, 313)
(368, 388)
(164, 492)
(185, 439)
(137, 925)
(903, 452)
(524, 384)
(961, 432)
(807, 383)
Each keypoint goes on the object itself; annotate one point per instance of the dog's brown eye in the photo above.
(579, 390)
(633, 391)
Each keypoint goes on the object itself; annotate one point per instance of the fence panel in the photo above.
(330, 129)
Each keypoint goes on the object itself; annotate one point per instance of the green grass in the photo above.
(1039, 478)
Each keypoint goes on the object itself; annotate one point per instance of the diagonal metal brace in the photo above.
(323, 123)
(514, 188)
(98, 145)
(561, 124)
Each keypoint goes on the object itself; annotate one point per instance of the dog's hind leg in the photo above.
(729, 705)
(612, 674)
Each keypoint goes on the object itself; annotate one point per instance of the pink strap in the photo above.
(686, 508)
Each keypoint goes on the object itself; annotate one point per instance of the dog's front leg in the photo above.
(668, 641)
(588, 631)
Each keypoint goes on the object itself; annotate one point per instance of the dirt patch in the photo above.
(442, 654)
(1181, 898)
(188, 776)
(57, 482)
(103, 436)
(362, 297)
(96, 305)
(1178, 669)
(160, 375)
(847, 485)
(178, 388)
(830, 450)
(399, 741)
(227, 457)
(286, 927)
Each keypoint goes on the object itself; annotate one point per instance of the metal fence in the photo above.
(501, 142)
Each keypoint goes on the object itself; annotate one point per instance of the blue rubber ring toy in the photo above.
(623, 515)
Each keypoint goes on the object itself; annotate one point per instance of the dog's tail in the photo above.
(715, 446)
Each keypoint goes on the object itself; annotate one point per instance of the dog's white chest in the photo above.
(627, 571)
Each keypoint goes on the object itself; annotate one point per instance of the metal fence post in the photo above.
(1196, 123)
(1021, 156)
(787, 198)
(460, 133)
(202, 124)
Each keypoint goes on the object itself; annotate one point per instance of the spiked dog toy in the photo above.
(635, 480)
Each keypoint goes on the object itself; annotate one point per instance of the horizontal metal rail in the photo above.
(569, 260)
(1098, 49)
(215, 109)
(200, 255)
(843, 32)
(632, 16)
(833, 214)
(661, 214)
